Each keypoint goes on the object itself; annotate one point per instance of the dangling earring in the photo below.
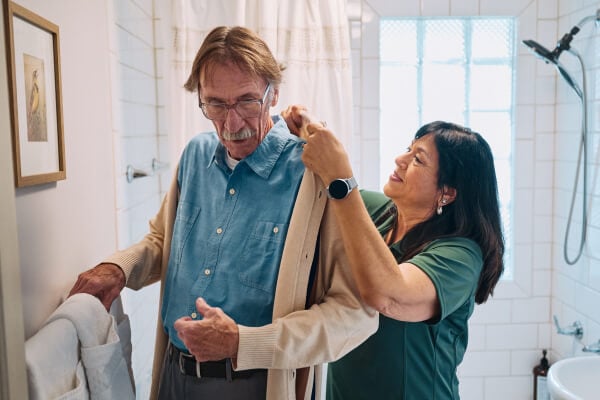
(439, 209)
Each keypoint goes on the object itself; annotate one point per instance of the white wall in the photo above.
(68, 226)
(509, 331)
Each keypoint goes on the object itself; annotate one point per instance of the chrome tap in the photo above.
(575, 329)
(592, 348)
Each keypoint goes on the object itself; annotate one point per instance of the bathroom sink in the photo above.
(575, 378)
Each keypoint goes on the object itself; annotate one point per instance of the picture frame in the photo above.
(35, 97)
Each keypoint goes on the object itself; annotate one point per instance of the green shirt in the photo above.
(405, 360)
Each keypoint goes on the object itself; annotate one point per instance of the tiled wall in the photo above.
(139, 136)
(576, 288)
(508, 333)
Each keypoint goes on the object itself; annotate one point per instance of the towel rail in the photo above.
(132, 173)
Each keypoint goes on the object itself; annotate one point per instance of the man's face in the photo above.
(228, 84)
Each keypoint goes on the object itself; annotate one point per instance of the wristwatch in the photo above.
(340, 188)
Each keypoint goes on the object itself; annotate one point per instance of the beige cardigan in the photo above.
(336, 323)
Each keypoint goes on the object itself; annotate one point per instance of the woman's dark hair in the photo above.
(466, 163)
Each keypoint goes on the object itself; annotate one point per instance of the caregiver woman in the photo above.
(423, 253)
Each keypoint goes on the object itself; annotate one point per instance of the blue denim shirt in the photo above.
(230, 228)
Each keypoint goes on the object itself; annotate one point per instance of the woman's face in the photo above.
(413, 184)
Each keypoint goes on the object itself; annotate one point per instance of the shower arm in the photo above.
(565, 42)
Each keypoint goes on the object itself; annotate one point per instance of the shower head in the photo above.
(540, 51)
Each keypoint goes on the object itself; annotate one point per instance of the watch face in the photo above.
(338, 189)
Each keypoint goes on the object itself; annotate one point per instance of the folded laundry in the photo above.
(78, 354)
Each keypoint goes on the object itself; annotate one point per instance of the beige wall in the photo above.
(13, 383)
(67, 226)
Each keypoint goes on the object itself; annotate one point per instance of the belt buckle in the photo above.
(182, 370)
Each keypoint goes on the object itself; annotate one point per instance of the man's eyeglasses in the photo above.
(244, 108)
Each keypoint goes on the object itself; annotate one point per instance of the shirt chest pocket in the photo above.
(187, 215)
(261, 255)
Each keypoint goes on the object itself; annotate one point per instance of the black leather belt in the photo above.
(208, 369)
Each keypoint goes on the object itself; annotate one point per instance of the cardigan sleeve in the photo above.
(144, 261)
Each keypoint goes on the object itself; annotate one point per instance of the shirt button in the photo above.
(219, 231)
(207, 271)
(232, 191)
(275, 230)
(193, 315)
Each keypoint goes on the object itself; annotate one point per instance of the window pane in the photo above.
(490, 39)
(491, 86)
(495, 127)
(444, 40)
(443, 92)
(398, 41)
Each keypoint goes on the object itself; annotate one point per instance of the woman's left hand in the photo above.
(325, 155)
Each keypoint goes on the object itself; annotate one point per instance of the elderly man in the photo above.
(256, 290)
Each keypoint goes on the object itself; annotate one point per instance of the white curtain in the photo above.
(309, 37)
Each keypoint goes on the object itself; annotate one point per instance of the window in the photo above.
(454, 69)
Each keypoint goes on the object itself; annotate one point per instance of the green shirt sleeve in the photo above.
(453, 265)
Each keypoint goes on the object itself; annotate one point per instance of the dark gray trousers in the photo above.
(176, 386)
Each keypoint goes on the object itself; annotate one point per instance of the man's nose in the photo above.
(233, 121)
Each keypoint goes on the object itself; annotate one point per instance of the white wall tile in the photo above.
(547, 9)
(492, 312)
(547, 34)
(369, 169)
(370, 83)
(464, 7)
(542, 228)
(470, 388)
(524, 161)
(370, 125)
(518, 387)
(534, 309)
(392, 8)
(544, 119)
(511, 336)
(476, 337)
(525, 124)
(544, 146)
(542, 256)
(506, 7)
(526, 79)
(587, 301)
(435, 7)
(544, 174)
(542, 283)
(486, 363)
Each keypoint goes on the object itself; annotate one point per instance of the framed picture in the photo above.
(35, 91)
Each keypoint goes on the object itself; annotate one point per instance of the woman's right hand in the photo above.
(325, 155)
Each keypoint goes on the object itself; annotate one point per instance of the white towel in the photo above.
(53, 367)
(106, 370)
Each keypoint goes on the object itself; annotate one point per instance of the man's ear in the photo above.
(275, 97)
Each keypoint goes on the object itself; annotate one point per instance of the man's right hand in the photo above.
(105, 281)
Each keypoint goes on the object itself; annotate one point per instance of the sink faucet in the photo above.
(575, 329)
(592, 348)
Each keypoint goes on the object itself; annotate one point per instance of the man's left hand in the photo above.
(215, 337)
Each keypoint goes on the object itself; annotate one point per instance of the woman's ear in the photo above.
(448, 194)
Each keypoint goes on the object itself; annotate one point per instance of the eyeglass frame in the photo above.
(233, 106)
